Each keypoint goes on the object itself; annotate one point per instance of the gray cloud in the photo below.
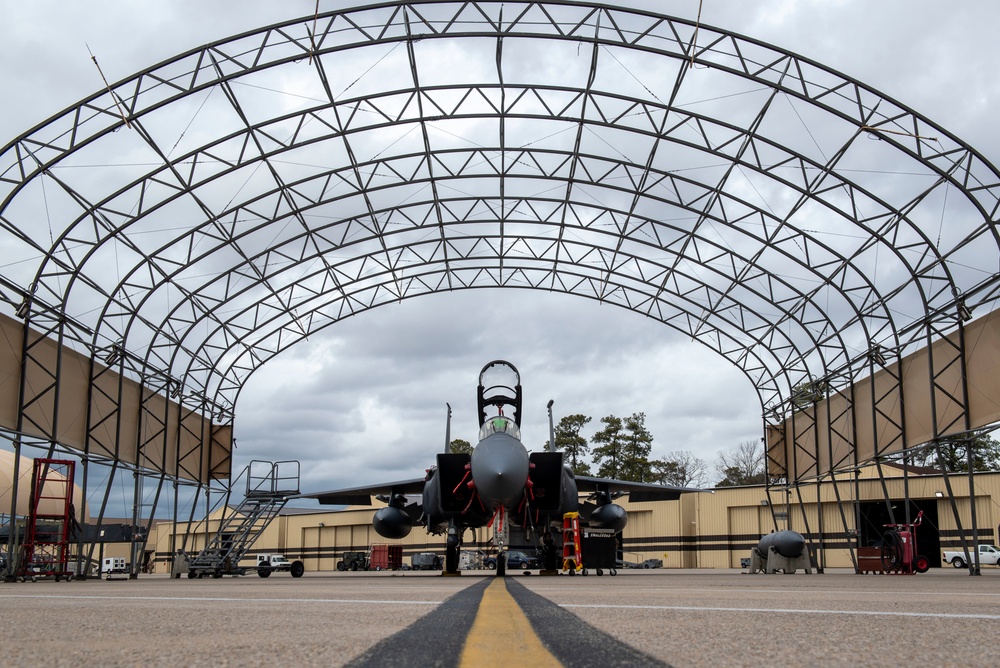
(364, 400)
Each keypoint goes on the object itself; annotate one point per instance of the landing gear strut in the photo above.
(452, 550)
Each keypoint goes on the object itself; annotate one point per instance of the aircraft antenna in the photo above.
(552, 429)
(447, 431)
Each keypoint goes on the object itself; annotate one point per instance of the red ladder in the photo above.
(45, 551)
(572, 556)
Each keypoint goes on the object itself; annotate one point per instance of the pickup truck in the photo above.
(988, 554)
(269, 563)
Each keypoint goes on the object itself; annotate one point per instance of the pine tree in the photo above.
(635, 452)
(571, 443)
(608, 455)
(624, 453)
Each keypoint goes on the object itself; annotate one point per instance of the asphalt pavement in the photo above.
(674, 617)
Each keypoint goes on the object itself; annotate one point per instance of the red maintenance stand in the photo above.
(899, 549)
(45, 552)
(572, 555)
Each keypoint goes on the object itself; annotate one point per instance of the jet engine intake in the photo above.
(453, 478)
(546, 481)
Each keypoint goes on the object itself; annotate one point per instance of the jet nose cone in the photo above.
(500, 468)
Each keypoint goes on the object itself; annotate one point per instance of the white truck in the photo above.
(113, 566)
(269, 563)
(988, 554)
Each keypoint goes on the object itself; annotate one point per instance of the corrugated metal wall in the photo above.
(711, 529)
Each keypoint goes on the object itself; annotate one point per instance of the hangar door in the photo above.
(744, 532)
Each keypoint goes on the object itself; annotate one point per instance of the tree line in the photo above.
(622, 450)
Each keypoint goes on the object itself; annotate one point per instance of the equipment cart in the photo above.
(599, 547)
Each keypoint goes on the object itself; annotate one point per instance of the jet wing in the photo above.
(637, 491)
(362, 496)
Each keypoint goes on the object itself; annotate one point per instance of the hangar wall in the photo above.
(710, 529)
(109, 415)
(870, 433)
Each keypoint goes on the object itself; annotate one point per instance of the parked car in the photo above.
(515, 559)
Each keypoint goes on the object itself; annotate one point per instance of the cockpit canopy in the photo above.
(500, 425)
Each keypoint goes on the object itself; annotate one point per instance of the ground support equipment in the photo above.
(45, 551)
(268, 486)
(572, 553)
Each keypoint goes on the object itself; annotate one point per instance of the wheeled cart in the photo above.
(600, 549)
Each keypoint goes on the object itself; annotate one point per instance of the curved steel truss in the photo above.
(195, 219)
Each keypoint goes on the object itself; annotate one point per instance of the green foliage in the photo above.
(608, 452)
(955, 455)
(461, 445)
(736, 477)
(571, 443)
(624, 448)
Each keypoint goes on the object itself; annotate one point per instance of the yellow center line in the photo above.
(501, 635)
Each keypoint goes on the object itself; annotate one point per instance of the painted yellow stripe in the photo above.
(501, 634)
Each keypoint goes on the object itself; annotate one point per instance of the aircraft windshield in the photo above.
(499, 424)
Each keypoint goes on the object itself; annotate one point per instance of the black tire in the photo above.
(524, 565)
(921, 564)
(297, 569)
(600, 572)
(452, 552)
(340, 565)
(613, 572)
(958, 562)
(490, 564)
(264, 570)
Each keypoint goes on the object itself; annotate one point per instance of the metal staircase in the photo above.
(269, 484)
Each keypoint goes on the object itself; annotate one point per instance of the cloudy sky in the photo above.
(365, 401)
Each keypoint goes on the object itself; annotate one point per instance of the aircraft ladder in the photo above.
(269, 484)
(572, 555)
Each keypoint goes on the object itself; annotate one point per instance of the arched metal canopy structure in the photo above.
(186, 225)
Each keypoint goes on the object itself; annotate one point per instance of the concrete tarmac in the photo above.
(682, 618)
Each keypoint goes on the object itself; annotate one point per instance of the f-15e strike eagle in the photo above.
(500, 485)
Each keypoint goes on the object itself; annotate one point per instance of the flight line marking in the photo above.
(679, 608)
(501, 633)
(870, 613)
(849, 592)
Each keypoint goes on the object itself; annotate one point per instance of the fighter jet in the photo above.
(500, 485)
